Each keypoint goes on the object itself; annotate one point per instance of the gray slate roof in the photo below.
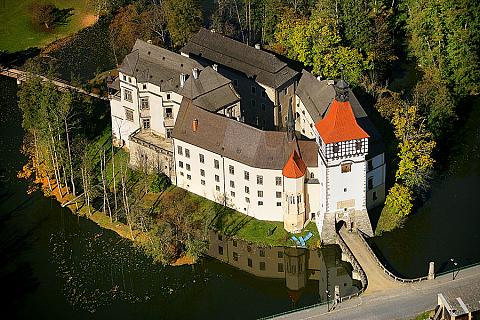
(239, 141)
(317, 97)
(150, 63)
(469, 295)
(265, 67)
(210, 91)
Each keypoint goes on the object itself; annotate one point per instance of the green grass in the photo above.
(17, 32)
(423, 316)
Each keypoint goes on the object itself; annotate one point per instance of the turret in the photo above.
(294, 195)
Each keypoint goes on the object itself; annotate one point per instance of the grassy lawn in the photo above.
(17, 32)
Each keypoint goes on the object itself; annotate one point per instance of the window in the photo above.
(168, 96)
(299, 198)
(187, 153)
(344, 189)
(370, 165)
(169, 132)
(262, 252)
(180, 150)
(278, 181)
(249, 248)
(144, 103)
(202, 182)
(231, 169)
(181, 173)
(217, 178)
(260, 203)
(220, 250)
(278, 194)
(247, 190)
(346, 167)
(260, 180)
(374, 195)
(187, 166)
(279, 204)
(336, 148)
(252, 103)
(144, 86)
(370, 183)
(129, 114)
(250, 264)
(220, 237)
(168, 113)
(146, 123)
(127, 95)
(262, 265)
(235, 256)
(280, 254)
(260, 193)
(247, 200)
(264, 94)
(189, 177)
(129, 79)
(234, 242)
(202, 172)
(291, 199)
(124, 78)
(217, 188)
(358, 145)
(180, 164)
(232, 184)
(280, 267)
(312, 175)
(232, 193)
(254, 90)
(216, 164)
(246, 175)
(202, 158)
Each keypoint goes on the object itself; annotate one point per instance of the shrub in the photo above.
(160, 183)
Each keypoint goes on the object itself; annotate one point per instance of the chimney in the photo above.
(257, 46)
(215, 67)
(183, 78)
(195, 73)
(194, 125)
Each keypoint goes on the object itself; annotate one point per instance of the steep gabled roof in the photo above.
(265, 67)
(340, 124)
(295, 167)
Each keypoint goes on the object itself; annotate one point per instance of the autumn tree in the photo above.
(183, 17)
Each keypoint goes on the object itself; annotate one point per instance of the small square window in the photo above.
(278, 181)
(260, 180)
(344, 189)
(180, 150)
(260, 203)
(278, 194)
(260, 193)
(201, 158)
(217, 188)
(189, 177)
(232, 193)
(144, 86)
(217, 178)
(235, 256)
(231, 169)
(202, 182)
(180, 164)
(202, 172)
(262, 252)
(279, 204)
(216, 164)
(247, 200)
(168, 96)
(187, 166)
(262, 265)
(181, 173)
(232, 184)
(187, 153)
(346, 167)
(254, 90)
(234, 242)
(220, 250)
(374, 195)
(264, 94)
(336, 148)
(246, 175)
(247, 190)
(129, 114)
(249, 248)
(250, 263)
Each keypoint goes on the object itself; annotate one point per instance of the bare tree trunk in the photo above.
(72, 180)
(106, 203)
(37, 156)
(49, 184)
(114, 182)
(125, 204)
(57, 178)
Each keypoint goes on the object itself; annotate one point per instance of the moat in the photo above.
(50, 257)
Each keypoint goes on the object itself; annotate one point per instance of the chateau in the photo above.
(236, 125)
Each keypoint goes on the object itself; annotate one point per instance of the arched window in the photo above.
(312, 175)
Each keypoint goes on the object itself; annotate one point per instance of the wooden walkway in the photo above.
(377, 279)
(60, 83)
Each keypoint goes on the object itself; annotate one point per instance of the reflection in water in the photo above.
(296, 266)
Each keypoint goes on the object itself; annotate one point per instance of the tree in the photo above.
(399, 200)
(49, 16)
(184, 17)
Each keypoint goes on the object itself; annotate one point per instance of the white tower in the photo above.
(343, 145)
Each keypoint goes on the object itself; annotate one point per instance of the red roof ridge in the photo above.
(340, 124)
(294, 167)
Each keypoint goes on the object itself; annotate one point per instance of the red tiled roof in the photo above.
(339, 124)
(295, 167)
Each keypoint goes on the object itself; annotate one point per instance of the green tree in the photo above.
(184, 17)
(399, 200)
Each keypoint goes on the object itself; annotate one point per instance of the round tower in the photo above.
(294, 194)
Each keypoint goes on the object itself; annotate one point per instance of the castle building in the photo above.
(235, 125)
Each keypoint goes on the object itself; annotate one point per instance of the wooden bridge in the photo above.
(61, 84)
